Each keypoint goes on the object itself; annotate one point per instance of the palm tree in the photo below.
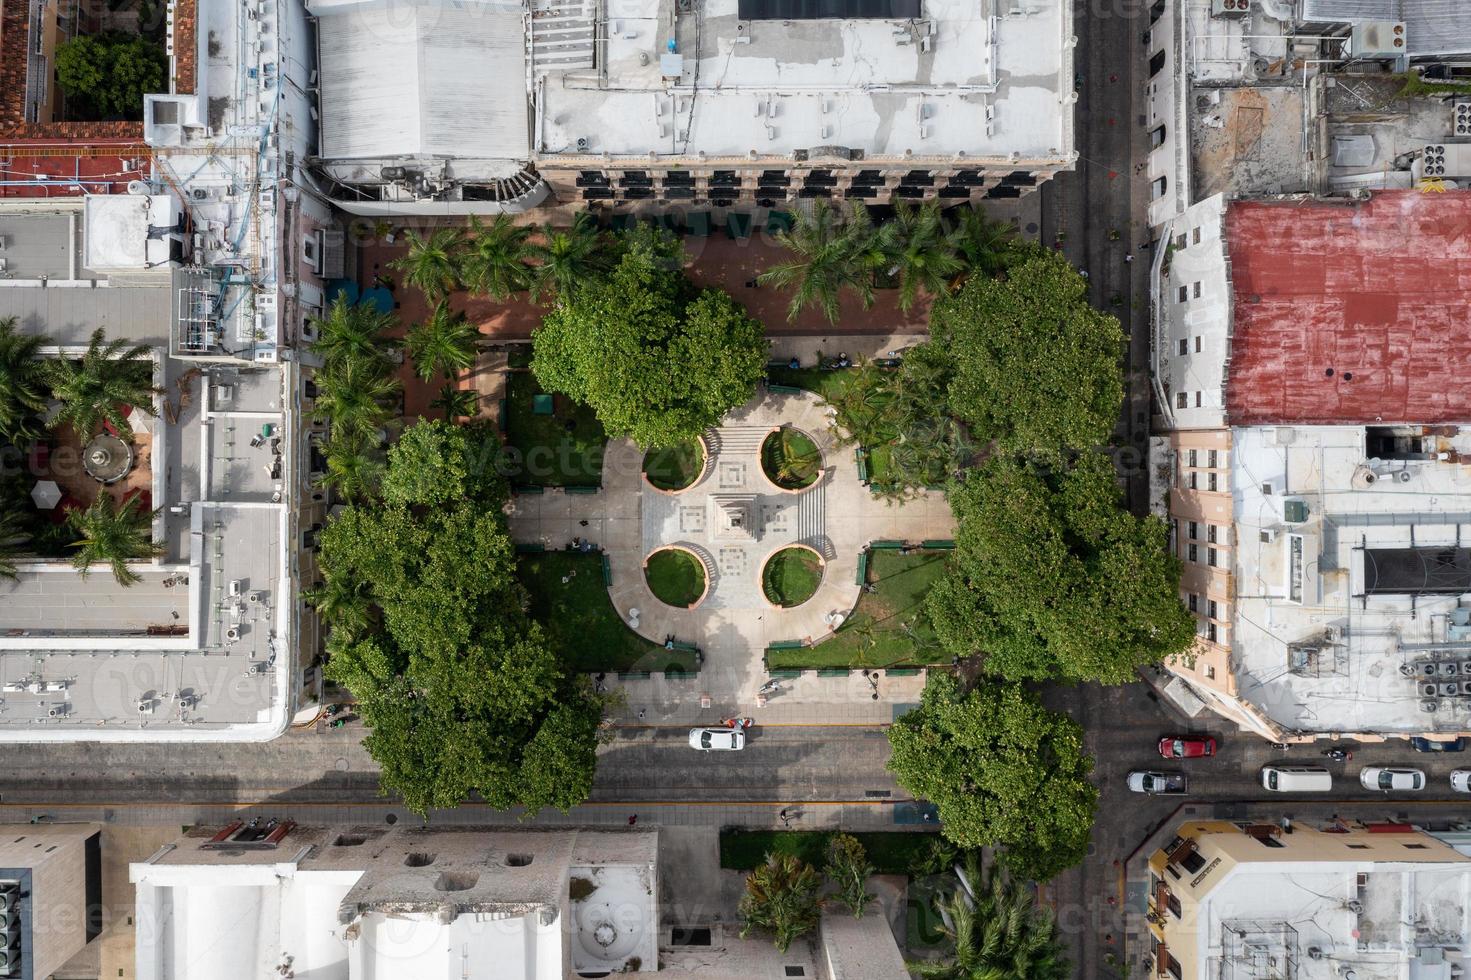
(113, 534)
(823, 263)
(567, 258)
(432, 263)
(444, 343)
(95, 388)
(356, 396)
(986, 245)
(13, 541)
(355, 467)
(342, 606)
(494, 263)
(923, 253)
(352, 330)
(781, 896)
(456, 403)
(23, 389)
(871, 248)
(999, 931)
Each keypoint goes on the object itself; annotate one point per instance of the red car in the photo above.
(1187, 746)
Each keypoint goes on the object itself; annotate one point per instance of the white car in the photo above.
(1378, 777)
(1461, 780)
(717, 739)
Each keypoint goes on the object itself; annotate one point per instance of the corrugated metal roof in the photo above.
(1432, 27)
(426, 79)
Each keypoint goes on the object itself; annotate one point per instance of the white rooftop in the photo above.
(118, 230)
(1369, 589)
(1263, 916)
(982, 78)
(422, 78)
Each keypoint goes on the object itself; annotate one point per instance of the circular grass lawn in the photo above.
(790, 459)
(675, 468)
(677, 578)
(791, 576)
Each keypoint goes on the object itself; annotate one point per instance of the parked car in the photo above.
(1296, 779)
(1187, 746)
(1432, 745)
(1461, 780)
(717, 739)
(1390, 779)
(1158, 783)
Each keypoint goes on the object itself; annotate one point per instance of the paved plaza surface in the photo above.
(733, 518)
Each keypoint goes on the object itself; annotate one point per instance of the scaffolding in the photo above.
(1253, 949)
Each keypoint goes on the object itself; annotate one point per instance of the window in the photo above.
(1156, 137)
(1210, 481)
(1266, 489)
(1181, 401)
(1157, 11)
(1210, 533)
(1157, 63)
(1213, 456)
(1270, 841)
(1193, 551)
(1415, 847)
(1194, 601)
(1197, 345)
(1195, 236)
(1359, 847)
(1194, 484)
(1210, 606)
(311, 252)
(1184, 346)
(1194, 529)
(1194, 458)
(1157, 188)
(1210, 672)
(1195, 290)
(1210, 557)
(1183, 294)
(1193, 862)
(1197, 399)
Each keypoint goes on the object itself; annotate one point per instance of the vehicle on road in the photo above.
(1187, 746)
(1461, 780)
(1158, 783)
(1420, 744)
(1390, 779)
(1297, 779)
(717, 739)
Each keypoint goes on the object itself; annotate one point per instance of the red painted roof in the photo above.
(1378, 293)
(51, 168)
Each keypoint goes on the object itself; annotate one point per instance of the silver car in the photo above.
(1390, 779)
(717, 739)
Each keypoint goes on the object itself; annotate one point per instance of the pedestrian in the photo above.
(582, 523)
(785, 817)
(1083, 273)
(1129, 257)
(641, 714)
(633, 819)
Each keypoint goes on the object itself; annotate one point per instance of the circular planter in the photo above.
(791, 575)
(676, 576)
(790, 459)
(675, 470)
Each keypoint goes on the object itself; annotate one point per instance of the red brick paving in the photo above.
(1352, 313)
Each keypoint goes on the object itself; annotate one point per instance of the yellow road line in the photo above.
(389, 804)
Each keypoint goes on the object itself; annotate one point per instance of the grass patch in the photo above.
(677, 578)
(790, 459)
(677, 467)
(564, 449)
(1416, 84)
(791, 576)
(888, 628)
(890, 852)
(581, 623)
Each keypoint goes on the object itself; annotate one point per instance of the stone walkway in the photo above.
(733, 518)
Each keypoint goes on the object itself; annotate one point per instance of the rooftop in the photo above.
(1351, 312)
(1432, 27)
(1352, 593)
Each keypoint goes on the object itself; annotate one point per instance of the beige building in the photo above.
(1243, 901)
(50, 896)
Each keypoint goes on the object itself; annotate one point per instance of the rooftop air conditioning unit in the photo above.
(1462, 119)
(232, 634)
(253, 596)
(1446, 160)
(1230, 8)
(1374, 39)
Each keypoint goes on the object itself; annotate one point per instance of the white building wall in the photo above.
(1165, 119)
(1192, 297)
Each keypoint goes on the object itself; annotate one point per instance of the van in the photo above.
(1297, 779)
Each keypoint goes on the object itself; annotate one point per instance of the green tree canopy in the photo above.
(106, 75)
(781, 898)
(1035, 366)
(113, 534)
(848, 869)
(461, 690)
(658, 360)
(1051, 578)
(95, 387)
(1003, 770)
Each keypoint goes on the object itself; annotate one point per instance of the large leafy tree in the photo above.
(114, 535)
(1035, 366)
(1051, 578)
(432, 262)
(658, 360)
(23, 389)
(1003, 771)
(781, 898)
(106, 75)
(463, 693)
(997, 929)
(494, 262)
(109, 375)
(445, 343)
